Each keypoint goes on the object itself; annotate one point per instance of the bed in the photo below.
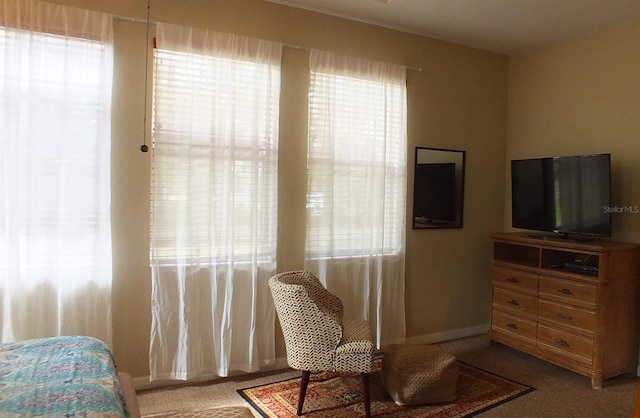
(65, 377)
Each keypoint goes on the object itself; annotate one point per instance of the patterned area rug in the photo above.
(338, 395)
(226, 412)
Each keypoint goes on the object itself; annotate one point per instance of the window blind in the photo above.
(356, 165)
(215, 157)
(56, 66)
(213, 241)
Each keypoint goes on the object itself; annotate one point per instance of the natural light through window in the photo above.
(215, 158)
(55, 118)
(56, 77)
(355, 199)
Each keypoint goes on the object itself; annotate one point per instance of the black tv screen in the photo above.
(564, 195)
(435, 192)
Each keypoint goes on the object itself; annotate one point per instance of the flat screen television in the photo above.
(565, 195)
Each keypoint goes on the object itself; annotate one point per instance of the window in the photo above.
(357, 187)
(356, 162)
(215, 161)
(214, 203)
(55, 168)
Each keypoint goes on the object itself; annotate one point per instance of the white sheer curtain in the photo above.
(55, 144)
(357, 187)
(214, 203)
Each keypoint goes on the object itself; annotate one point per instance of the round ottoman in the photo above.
(419, 374)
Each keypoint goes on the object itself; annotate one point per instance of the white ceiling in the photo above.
(501, 26)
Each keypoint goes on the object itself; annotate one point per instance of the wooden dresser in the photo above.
(585, 320)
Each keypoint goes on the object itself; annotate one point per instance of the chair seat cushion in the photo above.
(355, 350)
(419, 374)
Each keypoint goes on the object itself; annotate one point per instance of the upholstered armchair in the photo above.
(315, 335)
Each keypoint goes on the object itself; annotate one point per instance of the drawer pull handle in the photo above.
(512, 326)
(562, 343)
(566, 291)
(513, 302)
(513, 279)
(565, 317)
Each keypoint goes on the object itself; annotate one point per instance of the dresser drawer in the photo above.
(519, 281)
(579, 320)
(578, 348)
(568, 291)
(523, 328)
(515, 303)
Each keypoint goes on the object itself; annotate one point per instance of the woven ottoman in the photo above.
(419, 374)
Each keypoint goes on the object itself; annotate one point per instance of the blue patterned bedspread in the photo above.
(59, 377)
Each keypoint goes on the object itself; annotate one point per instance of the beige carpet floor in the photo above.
(559, 393)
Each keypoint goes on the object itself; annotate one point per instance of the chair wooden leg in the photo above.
(303, 390)
(366, 398)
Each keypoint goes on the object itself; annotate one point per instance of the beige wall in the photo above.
(458, 101)
(582, 96)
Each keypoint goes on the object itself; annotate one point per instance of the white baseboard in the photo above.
(439, 337)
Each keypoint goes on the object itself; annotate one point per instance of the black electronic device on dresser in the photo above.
(582, 267)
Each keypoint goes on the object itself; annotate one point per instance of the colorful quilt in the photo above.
(61, 377)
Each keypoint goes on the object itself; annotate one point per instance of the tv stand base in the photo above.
(561, 238)
(572, 304)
